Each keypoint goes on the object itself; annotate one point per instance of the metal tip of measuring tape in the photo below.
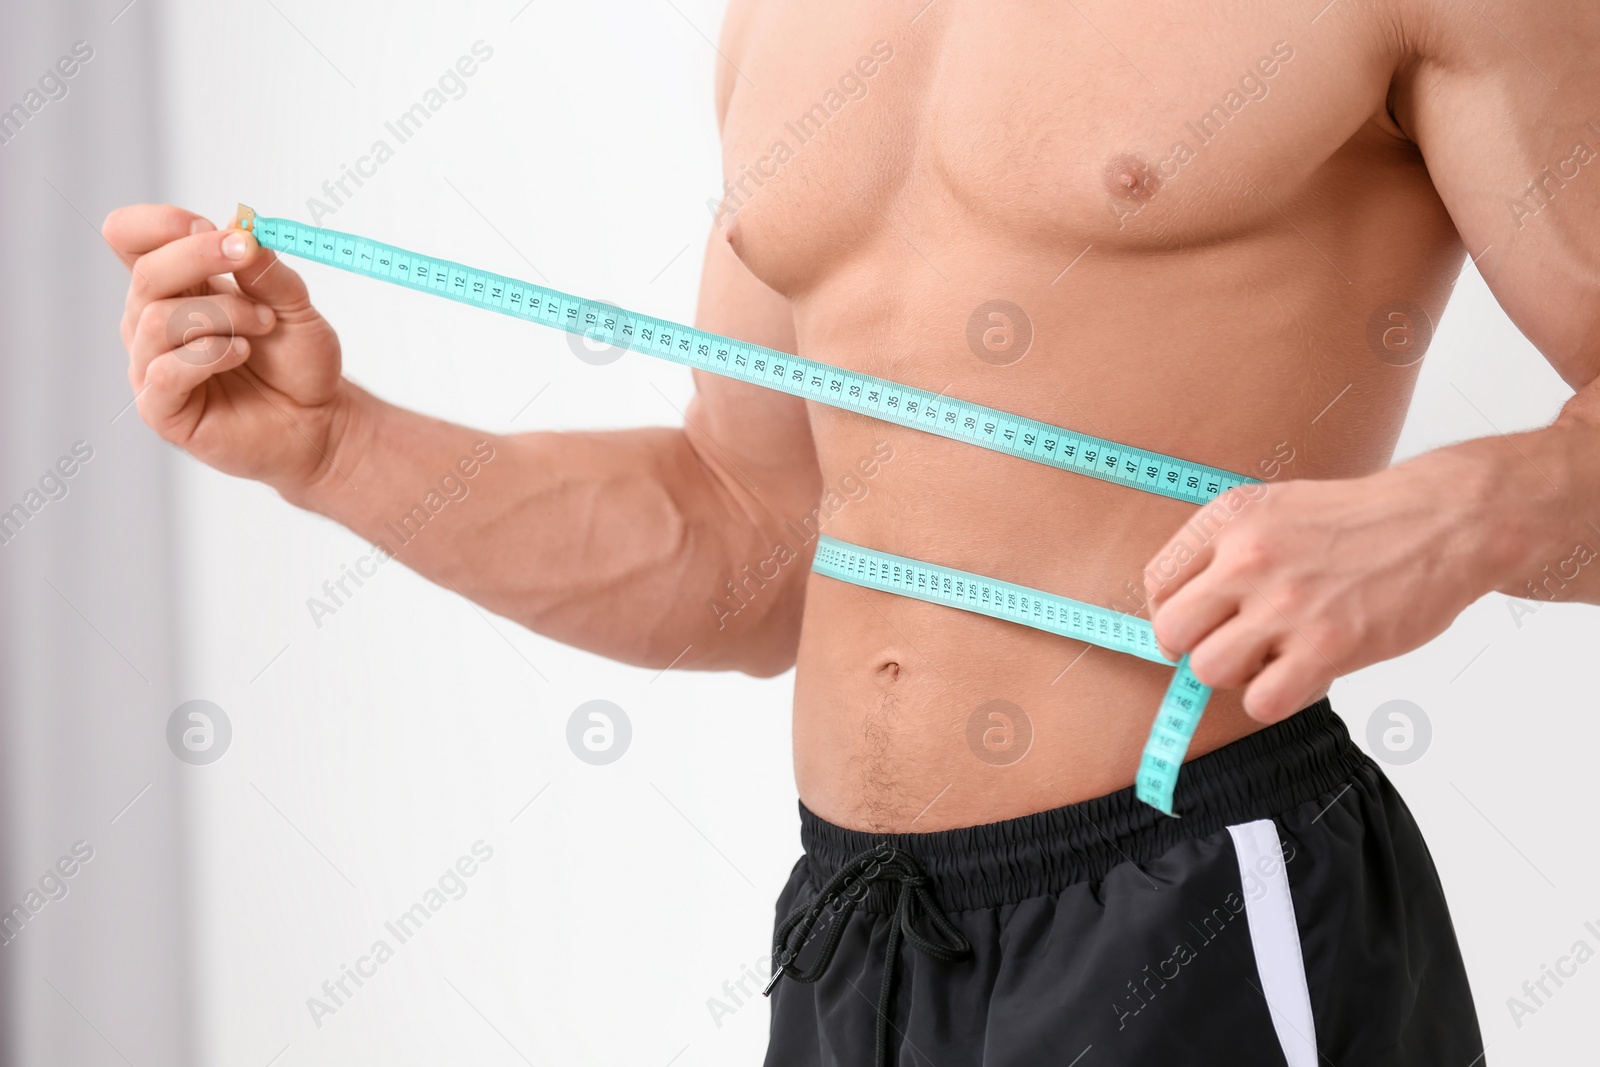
(244, 218)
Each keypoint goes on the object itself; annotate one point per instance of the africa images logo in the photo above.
(1399, 732)
(199, 732)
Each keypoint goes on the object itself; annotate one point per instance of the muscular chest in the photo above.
(856, 124)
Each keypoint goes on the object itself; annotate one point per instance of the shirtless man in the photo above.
(1223, 232)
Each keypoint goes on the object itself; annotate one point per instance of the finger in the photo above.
(198, 327)
(1196, 609)
(1234, 652)
(1287, 683)
(139, 228)
(166, 400)
(1178, 561)
(184, 264)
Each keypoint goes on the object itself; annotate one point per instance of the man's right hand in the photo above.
(241, 372)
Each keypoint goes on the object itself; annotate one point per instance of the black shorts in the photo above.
(1293, 910)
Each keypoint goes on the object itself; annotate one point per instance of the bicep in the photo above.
(759, 440)
(1507, 115)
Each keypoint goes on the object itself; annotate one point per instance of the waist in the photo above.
(910, 716)
(1300, 760)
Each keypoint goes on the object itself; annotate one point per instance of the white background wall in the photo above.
(372, 752)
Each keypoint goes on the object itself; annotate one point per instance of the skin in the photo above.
(1217, 307)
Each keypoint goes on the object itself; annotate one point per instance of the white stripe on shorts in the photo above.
(1275, 938)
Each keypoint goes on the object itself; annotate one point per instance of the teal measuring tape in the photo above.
(823, 383)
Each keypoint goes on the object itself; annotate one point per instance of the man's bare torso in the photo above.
(1200, 211)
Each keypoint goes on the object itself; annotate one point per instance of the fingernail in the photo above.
(201, 226)
(264, 315)
(235, 246)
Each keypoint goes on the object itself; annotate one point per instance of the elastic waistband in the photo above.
(1259, 776)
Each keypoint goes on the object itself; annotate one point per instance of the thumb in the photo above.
(264, 278)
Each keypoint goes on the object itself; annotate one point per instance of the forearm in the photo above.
(614, 542)
(1528, 505)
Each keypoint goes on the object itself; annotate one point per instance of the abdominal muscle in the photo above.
(911, 716)
(914, 717)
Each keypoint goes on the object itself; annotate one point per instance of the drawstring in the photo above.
(847, 887)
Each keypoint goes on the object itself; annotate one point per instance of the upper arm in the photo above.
(758, 440)
(1504, 102)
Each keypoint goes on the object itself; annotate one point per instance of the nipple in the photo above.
(733, 233)
(1129, 177)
